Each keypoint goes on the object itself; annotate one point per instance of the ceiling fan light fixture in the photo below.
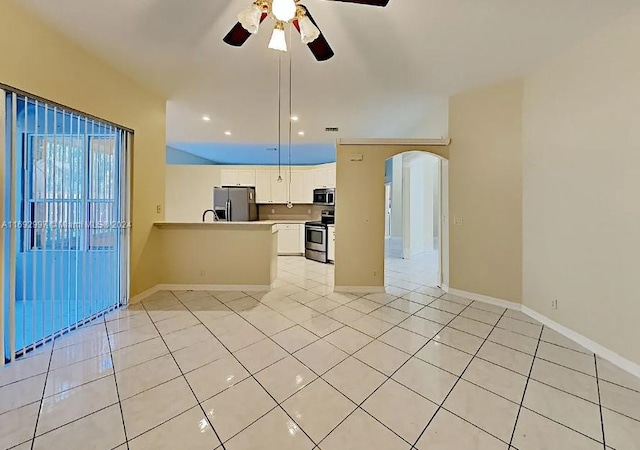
(250, 18)
(308, 31)
(278, 39)
(284, 10)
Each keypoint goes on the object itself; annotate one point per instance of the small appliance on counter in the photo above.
(317, 237)
(324, 197)
(235, 204)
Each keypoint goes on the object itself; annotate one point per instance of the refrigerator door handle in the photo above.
(229, 211)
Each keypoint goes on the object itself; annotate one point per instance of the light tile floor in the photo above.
(304, 368)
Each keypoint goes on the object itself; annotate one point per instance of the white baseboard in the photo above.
(483, 298)
(142, 295)
(603, 352)
(587, 343)
(359, 289)
(198, 287)
(215, 287)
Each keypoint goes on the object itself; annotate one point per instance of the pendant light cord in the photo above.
(290, 106)
(279, 115)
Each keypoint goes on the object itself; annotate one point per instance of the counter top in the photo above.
(293, 221)
(258, 225)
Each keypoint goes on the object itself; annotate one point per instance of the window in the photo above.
(72, 202)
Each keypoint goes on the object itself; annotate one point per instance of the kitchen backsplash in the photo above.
(298, 212)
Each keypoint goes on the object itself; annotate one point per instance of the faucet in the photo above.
(204, 215)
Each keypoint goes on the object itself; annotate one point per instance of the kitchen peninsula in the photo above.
(217, 255)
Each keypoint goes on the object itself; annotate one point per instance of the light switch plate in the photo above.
(458, 220)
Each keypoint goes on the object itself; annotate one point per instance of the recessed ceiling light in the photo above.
(295, 118)
(206, 118)
(227, 133)
(300, 133)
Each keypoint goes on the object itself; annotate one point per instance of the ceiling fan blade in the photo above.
(238, 35)
(320, 47)
(382, 3)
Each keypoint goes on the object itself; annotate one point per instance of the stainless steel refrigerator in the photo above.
(235, 204)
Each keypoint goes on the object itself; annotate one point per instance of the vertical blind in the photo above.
(65, 221)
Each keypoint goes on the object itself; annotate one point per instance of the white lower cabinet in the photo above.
(331, 250)
(289, 239)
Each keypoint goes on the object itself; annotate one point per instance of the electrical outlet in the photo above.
(458, 220)
(202, 272)
(273, 211)
(309, 211)
(375, 273)
(159, 209)
(554, 303)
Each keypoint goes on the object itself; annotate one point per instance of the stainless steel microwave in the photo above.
(324, 197)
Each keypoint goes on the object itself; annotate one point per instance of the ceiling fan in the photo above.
(286, 11)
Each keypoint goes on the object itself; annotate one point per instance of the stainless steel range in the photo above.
(317, 237)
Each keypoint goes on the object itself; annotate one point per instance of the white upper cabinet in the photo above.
(325, 177)
(270, 190)
(302, 184)
(247, 178)
(279, 189)
(238, 177)
(263, 186)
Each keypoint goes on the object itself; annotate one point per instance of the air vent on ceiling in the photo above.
(332, 129)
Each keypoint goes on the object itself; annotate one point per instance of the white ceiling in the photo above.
(393, 69)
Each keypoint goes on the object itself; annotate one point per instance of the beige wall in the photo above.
(218, 254)
(360, 214)
(41, 61)
(581, 187)
(485, 191)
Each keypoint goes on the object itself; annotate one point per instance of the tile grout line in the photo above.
(44, 388)
(470, 305)
(186, 381)
(358, 406)
(394, 325)
(279, 312)
(251, 375)
(604, 441)
(115, 379)
(381, 305)
(526, 385)
(441, 405)
(389, 377)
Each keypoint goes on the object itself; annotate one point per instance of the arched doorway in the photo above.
(360, 209)
(413, 225)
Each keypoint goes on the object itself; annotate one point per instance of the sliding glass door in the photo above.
(65, 226)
